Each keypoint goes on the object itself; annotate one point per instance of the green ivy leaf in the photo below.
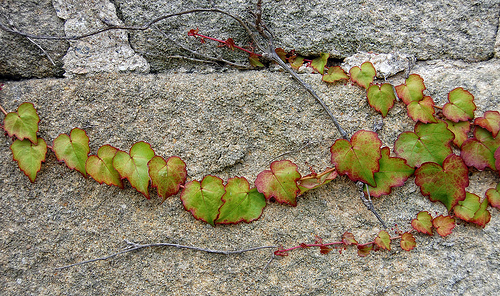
(479, 152)
(482, 216)
(240, 203)
(461, 106)
(203, 199)
(255, 61)
(314, 180)
(490, 121)
(29, 156)
(420, 108)
(73, 149)
(319, 63)
(101, 168)
(296, 61)
(134, 166)
(23, 124)
(465, 209)
(364, 75)
(459, 130)
(393, 172)
(359, 158)
(444, 225)
(445, 184)
(493, 196)
(280, 182)
(381, 97)
(335, 74)
(383, 240)
(429, 143)
(407, 242)
(423, 223)
(167, 176)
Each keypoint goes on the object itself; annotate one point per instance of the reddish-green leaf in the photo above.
(240, 203)
(393, 172)
(420, 108)
(203, 199)
(364, 250)
(29, 156)
(493, 196)
(490, 121)
(167, 176)
(407, 242)
(381, 97)
(319, 63)
(459, 130)
(101, 168)
(364, 75)
(444, 225)
(497, 159)
(482, 216)
(479, 152)
(461, 106)
(465, 209)
(335, 74)
(23, 124)
(296, 62)
(445, 184)
(280, 182)
(423, 223)
(255, 61)
(73, 149)
(359, 157)
(429, 143)
(134, 166)
(348, 239)
(281, 53)
(314, 180)
(383, 240)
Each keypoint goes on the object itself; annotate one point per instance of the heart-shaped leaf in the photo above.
(134, 166)
(493, 196)
(167, 176)
(445, 184)
(319, 63)
(23, 124)
(314, 180)
(423, 223)
(490, 121)
(280, 182)
(203, 199)
(429, 143)
(335, 74)
(73, 149)
(407, 242)
(359, 158)
(444, 225)
(101, 168)
(479, 152)
(381, 97)
(240, 203)
(465, 209)
(482, 216)
(459, 130)
(461, 106)
(29, 156)
(420, 108)
(296, 61)
(364, 75)
(348, 239)
(393, 172)
(383, 240)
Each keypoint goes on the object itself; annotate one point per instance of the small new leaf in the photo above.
(167, 176)
(364, 250)
(23, 124)
(493, 196)
(101, 168)
(335, 74)
(461, 106)
(280, 182)
(314, 180)
(381, 97)
(319, 63)
(240, 203)
(364, 75)
(383, 240)
(359, 158)
(73, 149)
(203, 199)
(134, 166)
(444, 225)
(423, 223)
(348, 239)
(281, 53)
(490, 121)
(407, 242)
(296, 62)
(445, 184)
(29, 156)
(254, 60)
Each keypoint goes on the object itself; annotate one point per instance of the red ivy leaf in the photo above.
(335, 74)
(444, 225)
(314, 180)
(461, 106)
(381, 97)
(359, 157)
(363, 76)
(423, 223)
(479, 152)
(167, 176)
(490, 121)
(348, 239)
(493, 196)
(230, 43)
(407, 241)
(383, 240)
(459, 130)
(364, 250)
(319, 63)
(445, 184)
(279, 182)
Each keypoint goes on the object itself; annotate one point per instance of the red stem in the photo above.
(224, 42)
